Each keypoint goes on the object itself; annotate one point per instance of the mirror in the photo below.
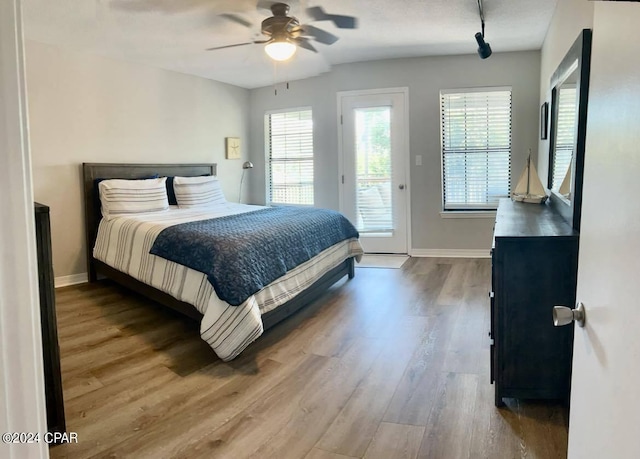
(565, 135)
(570, 85)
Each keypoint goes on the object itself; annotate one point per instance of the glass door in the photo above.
(374, 190)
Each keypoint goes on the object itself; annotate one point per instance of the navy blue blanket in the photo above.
(241, 254)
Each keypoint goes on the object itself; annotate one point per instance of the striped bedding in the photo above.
(124, 243)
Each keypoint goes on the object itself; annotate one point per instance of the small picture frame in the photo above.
(232, 147)
(544, 117)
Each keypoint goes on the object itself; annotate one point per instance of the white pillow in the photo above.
(126, 197)
(198, 192)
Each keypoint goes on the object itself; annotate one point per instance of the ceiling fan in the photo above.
(285, 33)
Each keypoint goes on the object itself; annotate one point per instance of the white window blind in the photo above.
(565, 134)
(476, 148)
(290, 157)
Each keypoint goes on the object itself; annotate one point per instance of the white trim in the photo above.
(339, 96)
(450, 253)
(73, 279)
(22, 398)
(468, 214)
(479, 89)
(407, 149)
(289, 109)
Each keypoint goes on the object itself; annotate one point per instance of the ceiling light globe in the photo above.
(280, 50)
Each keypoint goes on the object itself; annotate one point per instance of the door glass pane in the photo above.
(373, 170)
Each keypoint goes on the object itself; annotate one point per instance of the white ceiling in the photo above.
(173, 34)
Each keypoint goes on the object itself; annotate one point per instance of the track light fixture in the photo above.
(484, 49)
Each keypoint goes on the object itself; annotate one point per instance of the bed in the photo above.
(186, 290)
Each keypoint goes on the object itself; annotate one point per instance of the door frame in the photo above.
(340, 95)
(22, 392)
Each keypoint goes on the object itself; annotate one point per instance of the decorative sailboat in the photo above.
(565, 186)
(529, 187)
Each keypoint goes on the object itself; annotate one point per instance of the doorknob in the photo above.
(401, 186)
(562, 315)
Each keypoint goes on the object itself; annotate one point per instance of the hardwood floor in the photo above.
(392, 364)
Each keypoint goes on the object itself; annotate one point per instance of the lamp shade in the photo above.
(247, 165)
(280, 50)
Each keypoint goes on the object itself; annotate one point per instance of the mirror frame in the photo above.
(580, 51)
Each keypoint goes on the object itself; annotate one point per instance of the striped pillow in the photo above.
(198, 192)
(121, 197)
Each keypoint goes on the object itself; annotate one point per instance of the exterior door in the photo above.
(374, 168)
(605, 400)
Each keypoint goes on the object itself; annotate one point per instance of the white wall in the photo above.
(570, 17)
(85, 108)
(424, 77)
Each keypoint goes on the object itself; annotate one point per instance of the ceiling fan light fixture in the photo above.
(280, 50)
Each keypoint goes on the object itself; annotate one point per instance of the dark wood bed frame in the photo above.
(93, 171)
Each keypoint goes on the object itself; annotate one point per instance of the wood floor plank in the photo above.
(452, 291)
(541, 436)
(80, 384)
(155, 420)
(492, 431)
(316, 453)
(393, 363)
(417, 392)
(521, 429)
(446, 434)
(104, 400)
(352, 430)
(396, 441)
(431, 283)
(320, 402)
(465, 352)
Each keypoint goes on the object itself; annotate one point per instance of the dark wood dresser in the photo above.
(534, 267)
(50, 349)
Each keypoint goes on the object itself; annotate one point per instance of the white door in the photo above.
(374, 167)
(605, 397)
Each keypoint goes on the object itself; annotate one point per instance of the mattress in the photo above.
(124, 244)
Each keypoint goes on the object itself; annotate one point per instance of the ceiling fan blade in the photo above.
(321, 36)
(237, 19)
(304, 43)
(237, 44)
(229, 46)
(342, 22)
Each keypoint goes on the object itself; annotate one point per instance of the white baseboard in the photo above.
(451, 253)
(73, 279)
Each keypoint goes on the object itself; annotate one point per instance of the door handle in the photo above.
(562, 315)
(401, 186)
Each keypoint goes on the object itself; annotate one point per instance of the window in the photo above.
(476, 147)
(290, 157)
